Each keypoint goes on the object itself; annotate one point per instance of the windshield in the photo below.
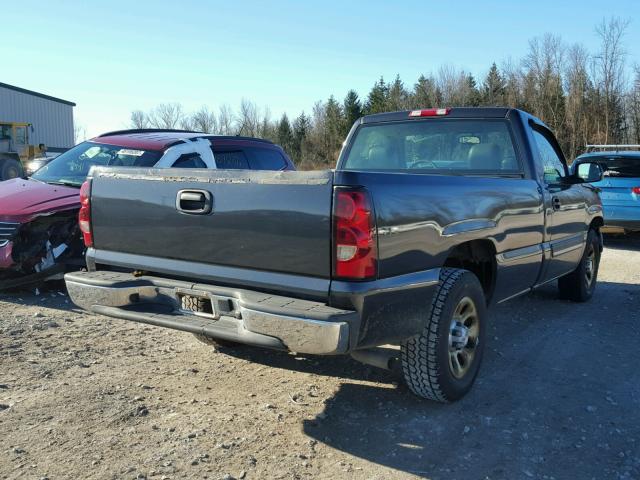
(434, 146)
(72, 167)
(626, 167)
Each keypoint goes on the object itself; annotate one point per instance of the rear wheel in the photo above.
(442, 362)
(580, 284)
(10, 168)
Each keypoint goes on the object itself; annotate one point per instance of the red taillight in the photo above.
(430, 112)
(355, 246)
(636, 190)
(84, 215)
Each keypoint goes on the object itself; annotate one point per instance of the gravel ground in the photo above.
(84, 396)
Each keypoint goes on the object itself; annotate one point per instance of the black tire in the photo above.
(217, 342)
(580, 284)
(428, 362)
(10, 168)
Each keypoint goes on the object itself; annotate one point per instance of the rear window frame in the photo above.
(519, 173)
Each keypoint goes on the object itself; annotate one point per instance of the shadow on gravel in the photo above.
(629, 242)
(339, 366)
(49, 295)
(554, 399)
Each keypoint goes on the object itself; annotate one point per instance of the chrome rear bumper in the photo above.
(232, 314)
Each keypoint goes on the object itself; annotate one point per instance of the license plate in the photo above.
(201, 306)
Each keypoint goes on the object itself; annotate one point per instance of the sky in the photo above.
(113, 57)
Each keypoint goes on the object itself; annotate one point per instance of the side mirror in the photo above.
(589, 172)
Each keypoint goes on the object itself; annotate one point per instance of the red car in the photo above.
(39, 236)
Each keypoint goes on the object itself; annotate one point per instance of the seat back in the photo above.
(485, 156)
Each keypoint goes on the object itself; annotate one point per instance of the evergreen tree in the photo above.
(301, 129)
(334, 125)
(424, 93)
(472, 95)
(377, 99)
(352, 110)
(494, 87)
(284, 134)
(397, 96)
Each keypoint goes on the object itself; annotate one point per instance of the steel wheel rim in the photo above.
(590, 266)
(464, 333)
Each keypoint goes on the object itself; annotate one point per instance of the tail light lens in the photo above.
(355, 249)
(84, 216)
(636, 190)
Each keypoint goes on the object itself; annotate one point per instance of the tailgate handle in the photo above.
(194, 202)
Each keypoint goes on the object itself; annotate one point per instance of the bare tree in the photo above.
(79, 133)
(450, 81)
(609, 66)
(634, 108)
(139, 119)
(166, 115)
(225, 120)
(544, 77)
(579, 90)
(204, 120)
(248, 119)
(267, 127)
(513, 78)
(456, 87)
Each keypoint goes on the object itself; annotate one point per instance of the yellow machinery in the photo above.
(15, 149)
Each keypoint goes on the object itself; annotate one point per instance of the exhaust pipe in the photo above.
(385, 358)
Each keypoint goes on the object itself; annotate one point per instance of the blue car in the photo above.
(619, 187)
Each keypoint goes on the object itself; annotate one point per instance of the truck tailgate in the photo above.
(259, 220)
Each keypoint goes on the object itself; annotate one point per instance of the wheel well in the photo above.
(479, 257)
(596, 224)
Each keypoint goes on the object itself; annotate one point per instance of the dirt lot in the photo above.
(83, 396)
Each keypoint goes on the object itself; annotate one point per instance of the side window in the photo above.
(554, 168)
(21, 135)
(231, 160)
(189, 160)
(266, 159)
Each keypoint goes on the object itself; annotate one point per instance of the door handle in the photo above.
(194, 202)
(555, 203)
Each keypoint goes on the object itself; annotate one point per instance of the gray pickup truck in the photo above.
(429, 218)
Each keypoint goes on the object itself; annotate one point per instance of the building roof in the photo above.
(158, 139)
(36, 94)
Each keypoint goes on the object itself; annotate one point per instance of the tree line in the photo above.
(585, 97)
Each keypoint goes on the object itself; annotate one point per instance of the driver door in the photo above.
(565, 209)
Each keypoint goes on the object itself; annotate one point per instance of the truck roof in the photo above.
(161, 139)
(458, 112)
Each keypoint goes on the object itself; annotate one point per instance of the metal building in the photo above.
(50, 117)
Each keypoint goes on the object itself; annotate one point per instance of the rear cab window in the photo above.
(447, 146)
(248, 158)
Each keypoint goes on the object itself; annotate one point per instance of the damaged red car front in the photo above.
(38, 231)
